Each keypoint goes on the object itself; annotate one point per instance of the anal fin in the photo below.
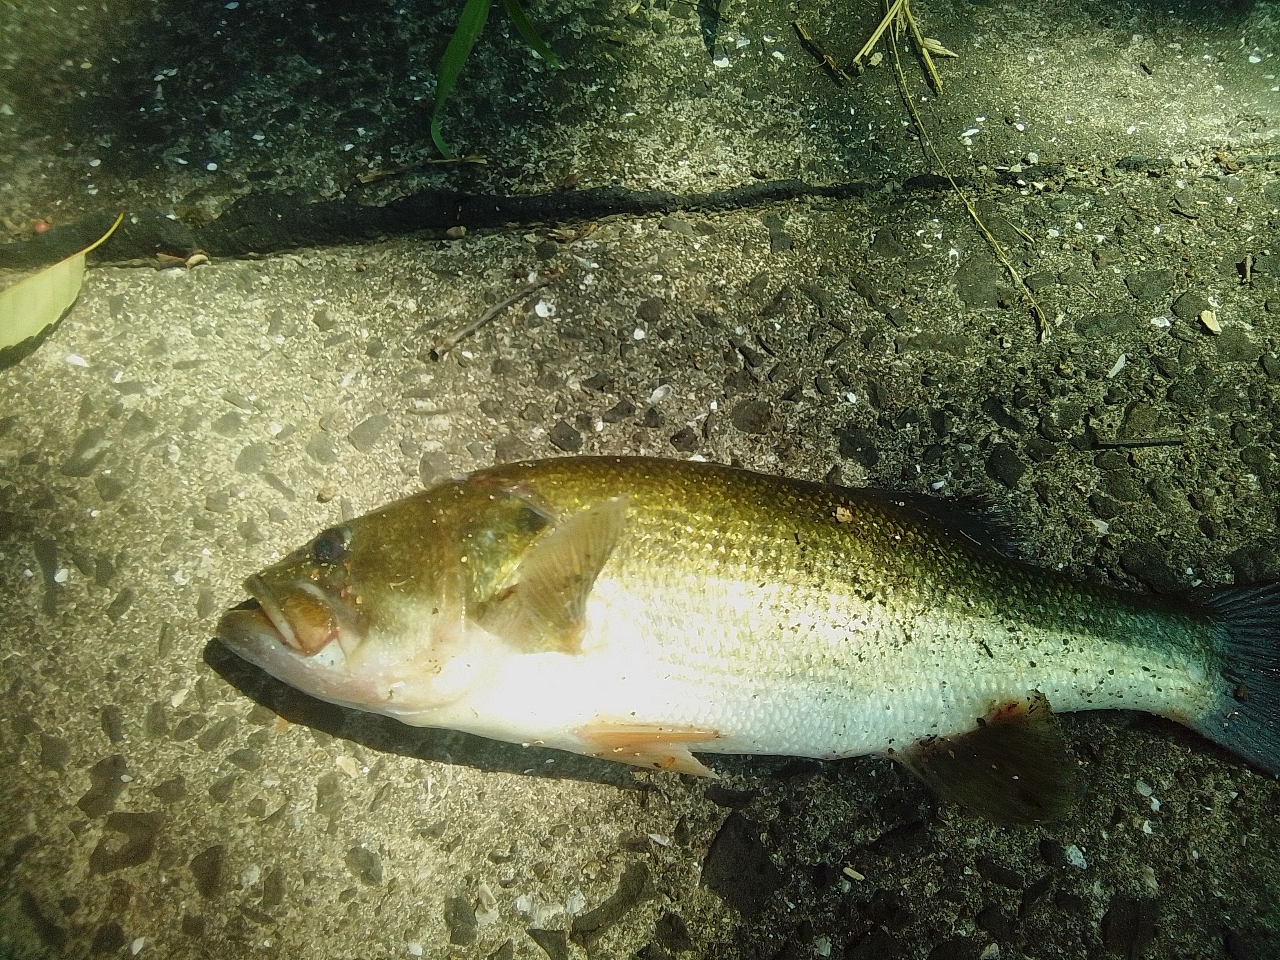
(1013, 767)
(654, 746)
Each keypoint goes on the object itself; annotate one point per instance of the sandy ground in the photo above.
(184, 427)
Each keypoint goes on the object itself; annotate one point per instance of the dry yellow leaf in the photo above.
(34, 304)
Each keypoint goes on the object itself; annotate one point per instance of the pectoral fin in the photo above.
(657, 747)
(1012, 768)
(544, 608)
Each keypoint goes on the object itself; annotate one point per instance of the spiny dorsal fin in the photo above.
(544, 609)
(1012, 768)
(975, 518)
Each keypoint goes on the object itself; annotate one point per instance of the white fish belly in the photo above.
(799, 685)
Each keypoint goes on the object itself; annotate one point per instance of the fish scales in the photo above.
(832, 622)
(642, 610)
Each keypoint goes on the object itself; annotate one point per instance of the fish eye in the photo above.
(331, 545)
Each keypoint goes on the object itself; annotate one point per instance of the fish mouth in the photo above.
(299, 618)
(269, 610)
(287, 633)
(247, 626)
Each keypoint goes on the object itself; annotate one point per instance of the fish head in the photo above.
(369, 614)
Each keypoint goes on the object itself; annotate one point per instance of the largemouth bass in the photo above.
(645, 610)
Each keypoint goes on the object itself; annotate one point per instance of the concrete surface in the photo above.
(182, 427)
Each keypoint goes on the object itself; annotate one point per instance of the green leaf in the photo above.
(525, 26)
(30, 308)
(472, 21)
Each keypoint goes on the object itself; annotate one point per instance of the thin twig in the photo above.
(1042, 322)
(1137, 444)
(921, 46)
(448, 343)
(889, 16)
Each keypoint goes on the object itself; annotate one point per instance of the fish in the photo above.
(649, 610)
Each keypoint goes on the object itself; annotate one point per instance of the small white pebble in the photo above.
(660, 394)
(1149, 878)
(62, 575)
(1075, 857)
(544, 309)
(822, 947)
(76, 361)
(721, 61)
(348, 765)
(1116, 368)
(1146, 827)
(1143, 788)
(990, 952)
(638, 334)
(95, 162)
(1155, 805)
(135, 948)
(779, 55)
(233, 4)
(211, 166)
(413, 949)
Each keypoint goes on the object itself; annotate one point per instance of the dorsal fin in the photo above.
(544, 608)
(973, 517)
(1013, 767)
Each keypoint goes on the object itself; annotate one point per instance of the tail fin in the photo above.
(1246, 718)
